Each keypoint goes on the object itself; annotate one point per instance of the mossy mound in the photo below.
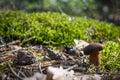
(53, 28)
(110, 56)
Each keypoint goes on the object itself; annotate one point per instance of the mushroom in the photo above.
(93, 50)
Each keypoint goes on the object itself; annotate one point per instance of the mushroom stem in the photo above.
(95, 58)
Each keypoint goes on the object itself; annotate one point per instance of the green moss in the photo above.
(111, 56)
(53, 28)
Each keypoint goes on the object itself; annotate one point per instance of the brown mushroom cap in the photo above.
(92, 47)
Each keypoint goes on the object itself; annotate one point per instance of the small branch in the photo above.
(11, 69)
(72, 67)
(39, 67)
(20, 72)
(10, 43)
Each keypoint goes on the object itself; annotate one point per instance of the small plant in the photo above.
(111, 56)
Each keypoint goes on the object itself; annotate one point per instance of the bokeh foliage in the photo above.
(105, 10)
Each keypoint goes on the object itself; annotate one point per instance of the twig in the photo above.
(102, 73)
(10, 43)
(39, 67)
(11, 69)
(28, 39)
(20, 72)
(72, 67)
(31, 70)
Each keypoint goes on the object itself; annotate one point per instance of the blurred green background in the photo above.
(105, 10)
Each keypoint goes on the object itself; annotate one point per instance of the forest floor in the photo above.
(22, 62)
